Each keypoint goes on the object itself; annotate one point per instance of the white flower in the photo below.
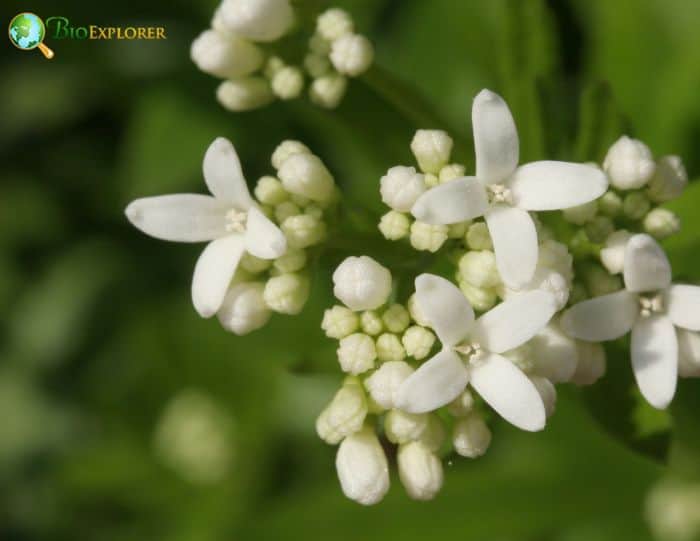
(327, 91)
(503, 193)
(244, 94)
(432, 149)
(351, 54)
(224, 55)
(650, 307)
(244, 309)
(401, 187)
(471, 437)
(669, 181)
(287, 83)
(362, 468)
(383, 384)
(472, 351)
(287, 293)
(334, 23)
(305, 174)
(629, 164)
(361, 283)
(258, 20)
(661, 223)
(230, 220)
(420, 471)
(344, 415)
(613, 255)
(356, 353)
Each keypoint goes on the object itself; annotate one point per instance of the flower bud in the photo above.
(555, 255)
(303, 231)
(371, 323)
(334, 23)
(383, 384)
(600, 283)
(389, 348)
(304, 174)
(451, 171)
(292, 261)
(481, 299)
(470, 436)
(316, 65)
(244, 94)
(287, 149)
(402, 427)
(635, 205)
(688, 353)
(547, 392)
(287, 83)
(327, 91)
(344, 415)
(479, 269)
(258, 20)
(613, 255)
(287, 293)
(591, 363)
(661, 223)
(599, 228)
(462, 406)
(629, 164)
(400, 187)
(362, 468)
(671, 509)
(224, 55)
(269, 191)
(356, 353)
(352, 54)
(420, 471)
(361, 283)
(415, 312)
(339, 321)
(432, 149)
(286, 209)
(610, 204)
(418, 342)
(394, 225)
(433, 436)
(244, 309)
(581, 214)
(478, 237)
(254, 265)
(396, 318)
(669, 181)
(554, 354)
(427, 237)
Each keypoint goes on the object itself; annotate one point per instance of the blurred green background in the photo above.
(103, 361)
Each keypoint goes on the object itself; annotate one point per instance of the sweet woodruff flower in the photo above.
(503, 193)
(229, 220)
(650, 307)
(472, 353)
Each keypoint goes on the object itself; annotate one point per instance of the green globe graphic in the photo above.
(27, 31)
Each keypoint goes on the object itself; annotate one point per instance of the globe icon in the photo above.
(27, 32)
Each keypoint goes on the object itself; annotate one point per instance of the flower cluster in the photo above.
(239, 48)
(258, 251)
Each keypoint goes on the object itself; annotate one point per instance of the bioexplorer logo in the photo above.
(27, 31)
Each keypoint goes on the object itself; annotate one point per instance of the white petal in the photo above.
(179, 217)
(683, 304)
(455, 201)
(213, 272)
(515, 321)
(514, 240)
(550, 185)
(223, 174)
(509, 392)
(263, 238)
(602, 318)
(655, 359)
(495, 138)
(445, 307)
(646, 265)
(437, 382)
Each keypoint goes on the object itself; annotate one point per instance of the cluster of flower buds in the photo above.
(256, 262)
(238, 47)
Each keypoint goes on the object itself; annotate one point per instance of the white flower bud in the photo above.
(287, 293)
(470, 436)
(481, 299)
(356, 353)
(316, 65)
(415, 312)
(400, 187)
(591, 363)
(304, 174)
(361, 283)
(396, 318)
(352, 54)
(418, 342)
(287, 83)
(629, 164)
(224, 55)
(303, 231)
(610, 204)
(286, 149)
(269, 191)
(244, 309)
(339, 321)
(389, 348)
(599, 228)
(344, 415)
(661, 223)
(394, 225)
(431, 180)
(432, 149)
(688, 353)
(635, 205)
(462, 406)
(371, 323)
(286, 209)
(362, 468)
(334, 23)
(554, 354)
(328, 90)
(547, 392)
(258, 20)
(401, 427)
(478, 237)
(383, 384)
(292, 261)
(669, 181)
(420, 471)
(613, 255)
(451, 172)
(244, 94)
(254, 265)
(581, 214)
(427, 237)
(479, 269)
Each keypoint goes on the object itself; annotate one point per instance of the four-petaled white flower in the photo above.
(471, 353)
(230, 220)
(650, 307)
(503, 193)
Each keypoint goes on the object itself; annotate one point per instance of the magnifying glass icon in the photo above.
(27, 32)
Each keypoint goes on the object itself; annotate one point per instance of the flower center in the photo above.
(472, 353)
(649, 305)
(236, 221)
(499, 193)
